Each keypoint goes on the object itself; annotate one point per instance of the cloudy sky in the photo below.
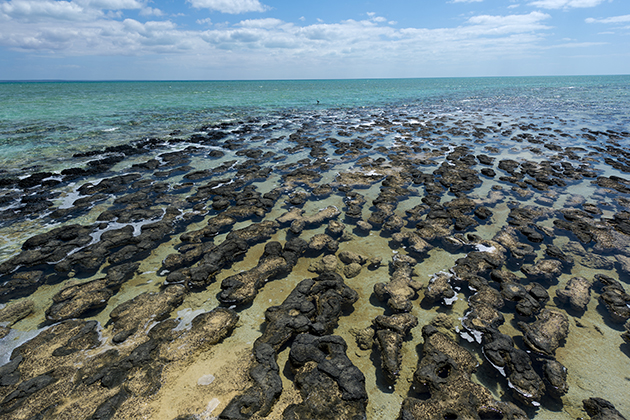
(289, 39)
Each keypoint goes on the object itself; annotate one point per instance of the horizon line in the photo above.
(292, 80)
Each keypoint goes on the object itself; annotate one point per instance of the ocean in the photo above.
(528, 169)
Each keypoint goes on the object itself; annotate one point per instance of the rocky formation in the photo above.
(577, 292)
(242, 288)
(401, 288)
(313, 307)
(444, 373)
(547, 333)
(330, 385)
(600, 409)
(614, 298)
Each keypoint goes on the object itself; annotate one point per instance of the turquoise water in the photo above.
(52, 120)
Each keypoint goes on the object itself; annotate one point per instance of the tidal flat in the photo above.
(348, 264)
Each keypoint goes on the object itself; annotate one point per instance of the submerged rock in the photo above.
(243, 287)
(444, 372)
(614, 298)
(440, 289)
(390, 333)
(330, 385)
(600, 409)
(81, 299)
(313, 307)
(547, 270)
(401, 287)
(515, 365)
(547, 333)
(577, 292)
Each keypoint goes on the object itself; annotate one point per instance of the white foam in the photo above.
(212, 405)
(450, 301)
(483, 248)
(206, 380)
(14, 340)
(185, 317)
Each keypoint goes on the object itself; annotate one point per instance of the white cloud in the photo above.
(112, 4)
(509, 24)
(614, 19)
(254, 42)
(229, 6)
(267, 23)
(33, 10)
(565, 4)
(150, 11)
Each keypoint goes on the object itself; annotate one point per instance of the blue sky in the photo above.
(281, 39)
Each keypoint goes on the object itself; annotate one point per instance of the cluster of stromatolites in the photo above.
(212, 215)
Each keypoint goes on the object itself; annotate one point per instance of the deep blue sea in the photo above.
(42, 124)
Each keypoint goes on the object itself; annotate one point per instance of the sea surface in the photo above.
(49, 127)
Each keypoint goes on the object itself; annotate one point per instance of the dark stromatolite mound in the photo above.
(600, 409)
(390, 333)
(49, 247)
(546, 334)
(478, 263)
(577, 292)
(120, 245)
(16, 311)
(518, 250)
(401, 287)
(243, 287)
(529, 299)
(330, 385)
(412, 241)
(130, 315)
(614, 298)
(523, 219)
(323, 242)
(295, 217)
(457, 175)
(212, 259)
(440, 289)
(547, 270)
(354, 204)
(444, 372)
(78, 300)
(626, 334)
(515, 365)
(555, 252)
(313, 307)
(555, 377)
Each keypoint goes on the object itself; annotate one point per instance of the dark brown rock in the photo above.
(444, 372)
(547, 333)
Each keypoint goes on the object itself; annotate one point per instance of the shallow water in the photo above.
(405, 124)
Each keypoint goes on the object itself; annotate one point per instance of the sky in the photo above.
(324, 39)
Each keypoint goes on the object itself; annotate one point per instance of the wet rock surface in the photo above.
(444, 372)
(546, 334)
(577, 293)
(330, 385)
(314, 306)
(401, 288)
(389, 333)
(599, 408)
